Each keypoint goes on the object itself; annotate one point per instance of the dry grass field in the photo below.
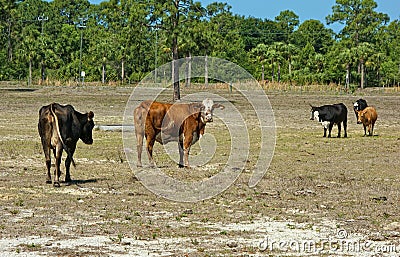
(319, 197)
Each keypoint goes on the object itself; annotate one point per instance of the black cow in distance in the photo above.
(329, 115)
(359, 105)
(60, 127)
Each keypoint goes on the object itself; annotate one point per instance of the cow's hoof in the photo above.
(48, 181)
(181, 166)
(68, 180)
(56, 184)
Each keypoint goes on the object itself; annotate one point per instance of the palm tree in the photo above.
(375, 62)
(346, 58)
(260, 52)
(363, 52)
(29, 52)
(290, 50)
(275, 53)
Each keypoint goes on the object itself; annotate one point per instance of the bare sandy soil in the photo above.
(320, 196)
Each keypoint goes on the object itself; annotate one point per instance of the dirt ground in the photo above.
(320, 196)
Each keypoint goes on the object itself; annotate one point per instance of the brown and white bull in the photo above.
(368, 117)
(164, 123)
(60, 127)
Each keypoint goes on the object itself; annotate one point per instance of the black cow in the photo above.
(60, 127)
(359, 105)
(330, 115)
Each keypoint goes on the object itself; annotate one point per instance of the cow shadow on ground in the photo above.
(371, 136)
(18, 89)
(81, 181)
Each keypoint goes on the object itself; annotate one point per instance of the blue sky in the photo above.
(305, 9)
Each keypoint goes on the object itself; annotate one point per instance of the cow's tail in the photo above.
(66, 148)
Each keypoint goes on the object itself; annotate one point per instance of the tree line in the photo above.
(123, 40)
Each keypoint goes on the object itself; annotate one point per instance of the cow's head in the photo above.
(360, 116)
(207, 108)
(314, 113)
(360, 104)
(87, 128)
(356, 106)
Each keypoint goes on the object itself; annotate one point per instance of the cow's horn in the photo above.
(90, 115)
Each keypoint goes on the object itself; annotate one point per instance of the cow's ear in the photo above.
(90, 115)
(198, 106)
(218, 106)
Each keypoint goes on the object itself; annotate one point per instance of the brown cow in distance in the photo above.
(60, 127)
(368, 118)
(164, 123)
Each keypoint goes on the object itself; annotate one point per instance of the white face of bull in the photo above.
(207, 110)
(315, 116)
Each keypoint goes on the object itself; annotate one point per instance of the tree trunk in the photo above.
(206, 71)
(172, 71)
(347, 76)
(175, 55)
(43, 72)
(103, 74)
(262, 73)
(188, 69)
(279, 72)
(273, 71)
(175, 72)
(122, 70)
(10, 56)
(362, 74)
(30, 73)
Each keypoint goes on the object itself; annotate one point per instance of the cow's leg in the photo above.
(139, 146)
(48, 163)
(339, 127)
(186, 157)
(365, 130)
(330, 129)
(44, 128)
(345, 128)
(68, 164)
(186, 148)
(57, 171)
(369, 129)
(324, 131)
(372, 128)
(180, 146)
(150, 140)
